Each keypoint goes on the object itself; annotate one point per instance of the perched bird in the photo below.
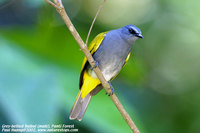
(111, 50)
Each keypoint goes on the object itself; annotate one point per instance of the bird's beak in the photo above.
(139, 35)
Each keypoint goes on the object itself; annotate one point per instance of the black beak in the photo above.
(139, 35)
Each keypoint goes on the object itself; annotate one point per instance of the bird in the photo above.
(110, 50)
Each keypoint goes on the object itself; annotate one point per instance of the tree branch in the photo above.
(83, 46)
(100, 7)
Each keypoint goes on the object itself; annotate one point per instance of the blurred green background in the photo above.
(40, 64)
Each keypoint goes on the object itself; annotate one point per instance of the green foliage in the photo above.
(40, 64)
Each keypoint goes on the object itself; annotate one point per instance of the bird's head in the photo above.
(131, 33)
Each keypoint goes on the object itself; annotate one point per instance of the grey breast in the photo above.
(112, 53)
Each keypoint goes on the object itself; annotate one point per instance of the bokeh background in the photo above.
(40, 64)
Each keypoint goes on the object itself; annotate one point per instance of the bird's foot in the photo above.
(96, 64)
(112, 89)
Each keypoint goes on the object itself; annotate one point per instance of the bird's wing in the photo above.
(127, 58)
(94, 45)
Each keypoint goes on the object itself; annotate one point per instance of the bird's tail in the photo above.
(79, 107)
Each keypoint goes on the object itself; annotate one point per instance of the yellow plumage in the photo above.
(94, 45)
(89, 83)
(111, 50)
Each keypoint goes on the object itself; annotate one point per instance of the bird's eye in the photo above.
(131, 31)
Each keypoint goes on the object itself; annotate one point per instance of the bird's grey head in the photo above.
(130, 33)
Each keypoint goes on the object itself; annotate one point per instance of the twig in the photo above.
(100, 7)
(90, 59)
(53, 4)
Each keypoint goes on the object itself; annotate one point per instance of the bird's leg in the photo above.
(112, 89)
(96, 64)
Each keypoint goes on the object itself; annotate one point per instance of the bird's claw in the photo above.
(96, 64)
(112, 89)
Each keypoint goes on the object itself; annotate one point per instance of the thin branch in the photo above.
(53, 4)
(100, 7)
(90, 59)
